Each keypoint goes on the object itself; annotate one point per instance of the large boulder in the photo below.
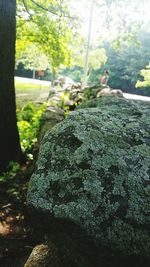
(94, 170)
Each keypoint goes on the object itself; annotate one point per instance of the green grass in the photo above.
(30, 91)
(28, 86)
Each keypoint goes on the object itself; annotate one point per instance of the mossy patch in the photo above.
(93, 169)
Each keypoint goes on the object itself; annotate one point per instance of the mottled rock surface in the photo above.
(94, 170)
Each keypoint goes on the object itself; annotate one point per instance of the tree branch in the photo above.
(52, 11)
(27, 10)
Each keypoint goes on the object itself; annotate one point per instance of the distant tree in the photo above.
(9, 137)
(32, 59)
(145, 73)
(125, 65)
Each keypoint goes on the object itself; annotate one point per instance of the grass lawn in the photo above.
(28, 90)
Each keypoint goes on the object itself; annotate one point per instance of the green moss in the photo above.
(93, 169)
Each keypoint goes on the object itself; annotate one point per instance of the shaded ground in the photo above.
(16, 233)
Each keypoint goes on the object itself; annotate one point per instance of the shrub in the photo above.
(29, 119)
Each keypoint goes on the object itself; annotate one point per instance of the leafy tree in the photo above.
(33, 59)
(9, 137)
(145, 73)
(48, 25)
(74, 72)
(125, 65)
(113, 14)
(97, 58)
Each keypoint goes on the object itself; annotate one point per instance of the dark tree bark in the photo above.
(9, 137)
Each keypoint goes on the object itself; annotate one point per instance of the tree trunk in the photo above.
(33, 74)
(53, 75)
(9, 137)
(88, 46)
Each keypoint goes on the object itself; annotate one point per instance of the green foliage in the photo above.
(90, 93)
(49, 26)
(29, 118)
(97, 58)
(63, 103)
(76, 75)
(146, 75)
(125, 65)
(11, 171)
(14, 182)
(74, 72)
(32, 58)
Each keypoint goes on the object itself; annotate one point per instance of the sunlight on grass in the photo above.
(28, 86)
(28, 90)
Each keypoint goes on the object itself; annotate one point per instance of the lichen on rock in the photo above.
(94, 170)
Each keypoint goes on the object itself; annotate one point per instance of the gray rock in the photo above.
(94, 170)
(109, 91)
(52, 116)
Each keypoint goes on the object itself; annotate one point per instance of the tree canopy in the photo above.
(49, 26)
